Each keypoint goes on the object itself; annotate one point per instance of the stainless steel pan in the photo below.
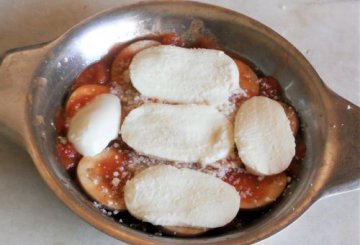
(34, 81)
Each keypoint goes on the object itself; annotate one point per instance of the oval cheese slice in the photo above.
(167, 196)
(95, 125)
(185, 133)
(184, 75)
(263, 136)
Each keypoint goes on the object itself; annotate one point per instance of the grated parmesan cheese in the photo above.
(115, 181)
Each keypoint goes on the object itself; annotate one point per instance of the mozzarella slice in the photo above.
(95, 125)
(184, 75)
(167, 196)
(185, 133)
(263, 136)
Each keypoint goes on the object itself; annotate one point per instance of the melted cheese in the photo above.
(185, 133)
(263, 136)
(184, 75)
(95, 125)
(167, 196)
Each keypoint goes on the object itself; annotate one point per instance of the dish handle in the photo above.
(345, 175)
(16, 71)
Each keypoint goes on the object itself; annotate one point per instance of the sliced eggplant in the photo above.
(83, 95)
(248, 79)
(183, 231)
(104, 176)
(255, 191)
(123, 59)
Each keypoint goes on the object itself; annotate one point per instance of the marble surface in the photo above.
(327, 32)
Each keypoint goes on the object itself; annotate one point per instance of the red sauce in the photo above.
(59, 122)
(256, 191)
(107, 167)
(119, 65)
(114, 166)
(172, 39)
(300, 149)
(69, 157)
(96, 73)
(205, 43)
(270, 87)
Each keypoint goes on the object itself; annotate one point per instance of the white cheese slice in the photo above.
(185, 133)
(184, 75)
(95, 125)
(167, 196)
(263, 136)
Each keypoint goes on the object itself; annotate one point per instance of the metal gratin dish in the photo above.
(34, 81)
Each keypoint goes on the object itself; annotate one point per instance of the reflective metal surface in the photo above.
(35, 81)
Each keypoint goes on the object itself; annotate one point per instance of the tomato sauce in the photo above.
(172, 39)
(96, 73)
(270, 87)
(69, 157)
(114, 173)
(256, 191)
(59, 122)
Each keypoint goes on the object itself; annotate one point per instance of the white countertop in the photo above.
(327, 32)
